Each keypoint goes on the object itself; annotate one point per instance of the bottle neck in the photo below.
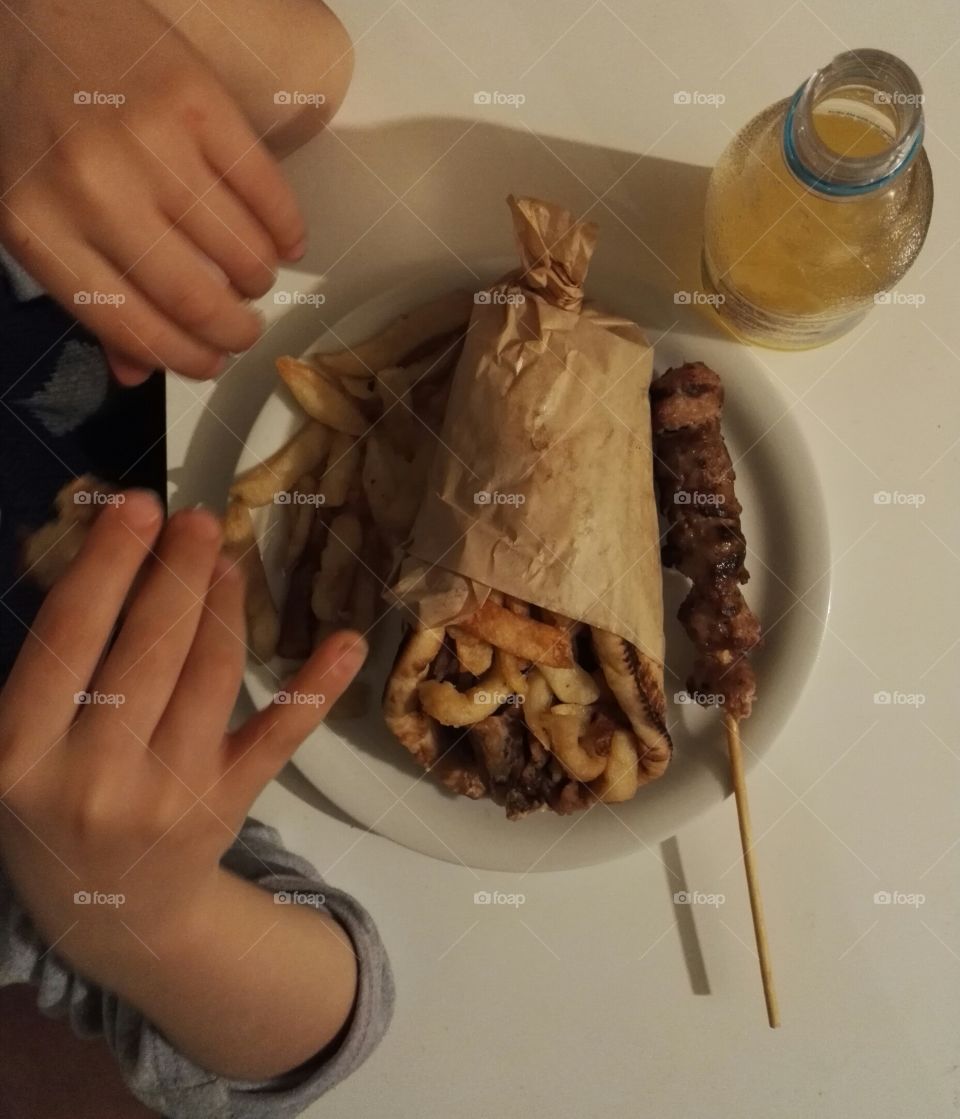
(872, 89)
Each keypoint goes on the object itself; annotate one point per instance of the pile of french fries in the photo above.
(351, 477)
(529, 707)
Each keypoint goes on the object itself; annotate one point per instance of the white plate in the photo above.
(365, 772)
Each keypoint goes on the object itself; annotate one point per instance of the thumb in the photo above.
(260, 748)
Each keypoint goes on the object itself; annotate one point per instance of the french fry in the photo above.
(511, 669)
(621, 778)
(403, 336)
(301, 517)
(453, 708)
(566, 723)
(298, 456)
(343, 463)
(331, 584)
(536, 704)
(320, 398)
(240, 543)
(524, 637)
(571, 685)
(474, 654)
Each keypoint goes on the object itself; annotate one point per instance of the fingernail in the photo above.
(297, 252)
(351, 650)
(140, 507)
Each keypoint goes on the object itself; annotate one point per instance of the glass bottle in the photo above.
(820, 204)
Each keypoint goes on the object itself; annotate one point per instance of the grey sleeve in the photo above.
(155, 1072)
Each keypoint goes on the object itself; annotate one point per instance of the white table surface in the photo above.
(599, 995)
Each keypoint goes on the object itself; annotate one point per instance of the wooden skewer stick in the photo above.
(753, 885)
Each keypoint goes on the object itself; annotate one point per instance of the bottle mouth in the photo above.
(872, 87)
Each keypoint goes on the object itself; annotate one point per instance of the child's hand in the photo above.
(140, 791)
(150, 219)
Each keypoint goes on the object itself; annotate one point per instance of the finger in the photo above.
(178, 279)
(267, 741)
(195, 720)
(223, 228)
(126, 373)
(159, 629)
(109, 306)
(243, 162)
(67, 638)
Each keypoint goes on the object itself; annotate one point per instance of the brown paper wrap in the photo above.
(542, 484)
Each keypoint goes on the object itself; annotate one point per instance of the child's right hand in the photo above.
(152, 220)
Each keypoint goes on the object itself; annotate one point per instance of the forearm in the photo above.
(243, 987)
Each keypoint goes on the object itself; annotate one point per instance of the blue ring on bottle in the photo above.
(825, 186)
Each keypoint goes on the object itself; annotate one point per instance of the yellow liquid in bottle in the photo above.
(797, 267)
